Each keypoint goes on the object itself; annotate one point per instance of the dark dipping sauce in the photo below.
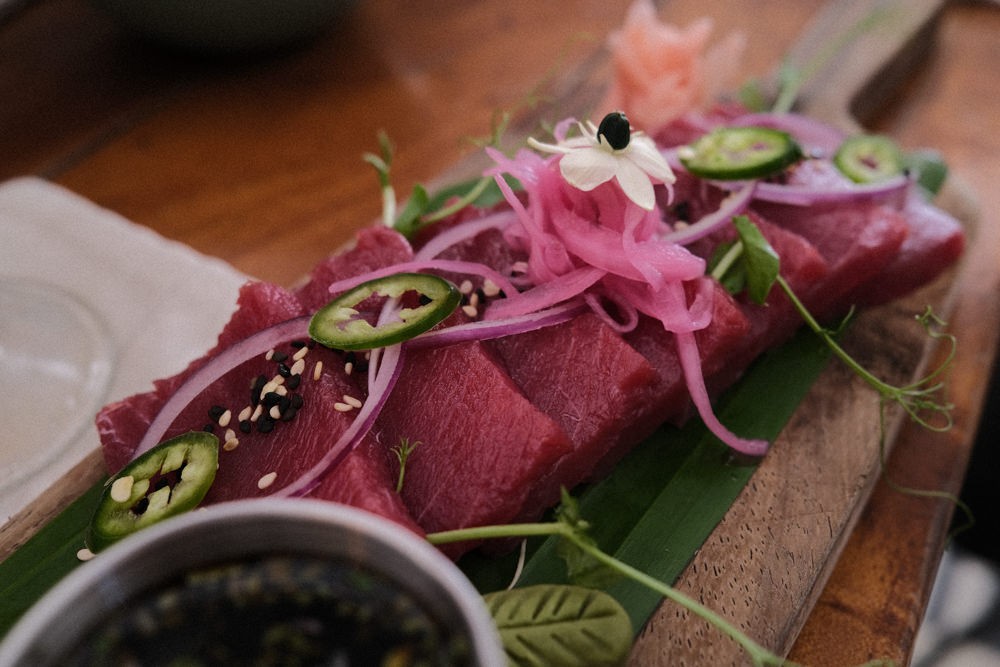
(277, 610)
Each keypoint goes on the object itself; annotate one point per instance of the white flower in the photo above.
(612, 150)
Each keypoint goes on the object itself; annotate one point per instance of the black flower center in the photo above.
(615, 130)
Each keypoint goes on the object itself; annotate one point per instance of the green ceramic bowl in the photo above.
(226, 26)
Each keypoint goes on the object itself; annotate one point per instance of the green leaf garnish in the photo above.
(759, 258)
(930, 168)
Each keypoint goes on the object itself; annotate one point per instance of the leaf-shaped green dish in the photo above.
(556, 626)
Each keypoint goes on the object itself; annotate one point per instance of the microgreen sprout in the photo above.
(382, 162)
(402, 452)
(422, 208)
(588, 562)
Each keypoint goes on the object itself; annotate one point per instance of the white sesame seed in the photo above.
(465, 287)
(317, 370)
(342, 407)
(353, 402)
(231, 444)
(281, 391)
(268, 388)
(490, 288)
(474, 299)
(274, 412)
(298, 367)
(348, 368)
(121, 488)
(267, 480)
(245, 413)
(470, 311)
(519, 267)
(258, 411)
(84, 554)
(303, 351)
(225, 418)
(230, 435)
(269, 355)
(278, 380)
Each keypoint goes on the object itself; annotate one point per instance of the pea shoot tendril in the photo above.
(585, 560)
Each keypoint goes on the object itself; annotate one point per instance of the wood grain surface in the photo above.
(257, 161)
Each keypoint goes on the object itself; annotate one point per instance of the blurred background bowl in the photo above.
(226, 26)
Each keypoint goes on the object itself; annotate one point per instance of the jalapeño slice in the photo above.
(340, 326)
(868, 158)
(169, 479)
(736, 153)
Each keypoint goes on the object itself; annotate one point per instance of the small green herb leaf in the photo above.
(930, 169)
(730, 273)
(581, 567)
(759, 258)
(408, 220)
(553, 626)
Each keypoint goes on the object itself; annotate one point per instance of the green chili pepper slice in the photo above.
(169, 479)
(867, 158)
(339, 325)
(736, 153)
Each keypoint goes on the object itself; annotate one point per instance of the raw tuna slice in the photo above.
(935, 242)
(581, 374)
(857, 241)
(122, 424)
(668, 400)
(593, 384)
(483, 446)
(773, 323)
(373, 248)
(367, 479)
(284, 447)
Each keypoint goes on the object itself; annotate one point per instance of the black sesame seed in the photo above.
(296, 401)
(141, 506)
(288, 415)
(245, 426)
(284, 371)
(271, 398)
(216, 411)
(298, 343)
(278, 357)
(265, 425)
(284, 403)
(293, 382)
(208, 428)
(256, 388)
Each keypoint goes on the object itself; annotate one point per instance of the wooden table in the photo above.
(258, 161)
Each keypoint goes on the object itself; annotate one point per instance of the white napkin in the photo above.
(160, 303)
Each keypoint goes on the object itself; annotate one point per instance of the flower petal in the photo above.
(586, 168)
(546, 148)
(643, 152)
(635, 183)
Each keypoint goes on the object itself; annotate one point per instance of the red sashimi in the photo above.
(482, 444)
